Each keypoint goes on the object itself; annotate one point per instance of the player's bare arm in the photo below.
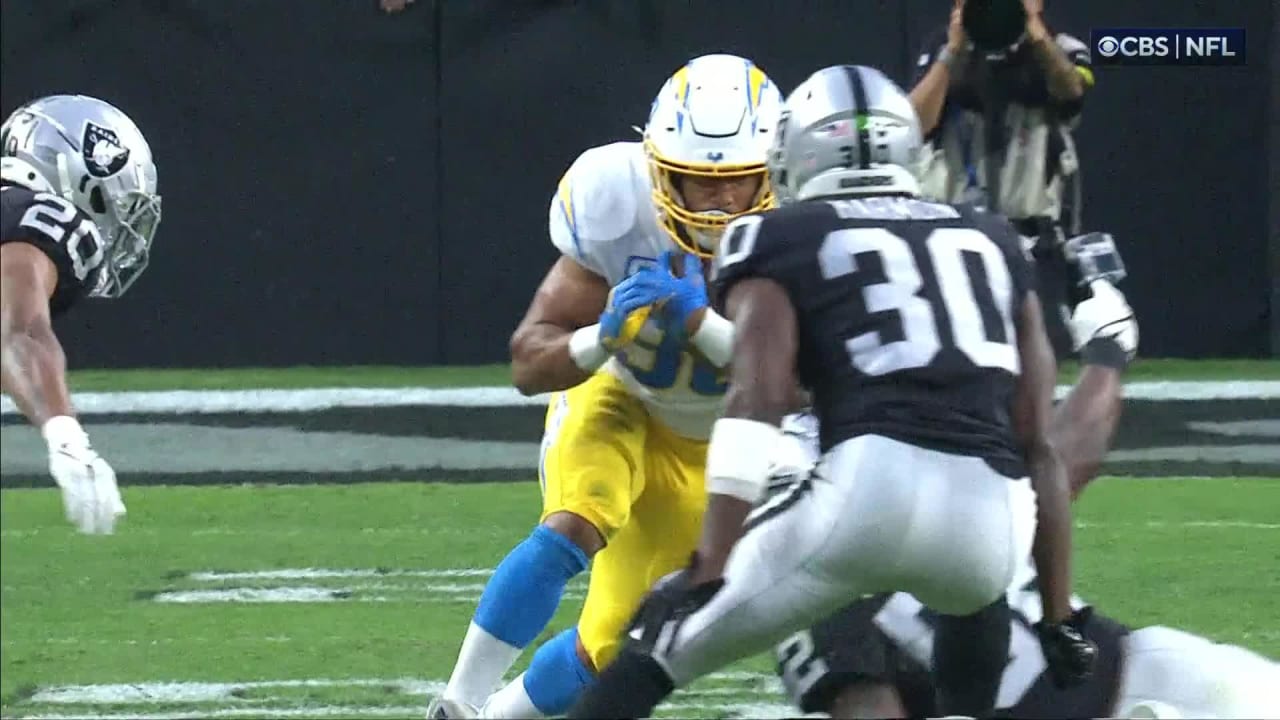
(1033, 410)
(570, 297)
(761, 390)
(1085, 423)
(1105, 332)
(1069, 655)
(32, 360)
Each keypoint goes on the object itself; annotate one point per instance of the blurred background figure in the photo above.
(998, 94)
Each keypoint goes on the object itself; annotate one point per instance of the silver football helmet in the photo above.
(845, 131)
(91, 154)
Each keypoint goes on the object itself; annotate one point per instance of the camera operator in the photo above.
(998, 94)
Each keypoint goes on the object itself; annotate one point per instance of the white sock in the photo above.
(482, 662)
(511, 702)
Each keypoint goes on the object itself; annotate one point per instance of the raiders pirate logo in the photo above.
(103, 153)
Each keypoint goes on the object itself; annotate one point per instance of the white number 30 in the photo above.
(920, 341)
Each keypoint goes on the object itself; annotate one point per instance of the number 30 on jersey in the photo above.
(971, 275)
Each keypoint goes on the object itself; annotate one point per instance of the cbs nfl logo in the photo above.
(1168, 46)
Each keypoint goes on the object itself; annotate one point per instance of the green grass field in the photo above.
(371, 585)
(1194, 553)
(307, 377)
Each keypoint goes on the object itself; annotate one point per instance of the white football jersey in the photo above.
(603, 217)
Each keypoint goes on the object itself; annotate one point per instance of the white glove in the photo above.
(1105, 315)
(89, 492)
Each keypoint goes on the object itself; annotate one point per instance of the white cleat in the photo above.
(443, 708)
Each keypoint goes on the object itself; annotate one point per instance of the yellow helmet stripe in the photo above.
(681, 79)
(756, 81)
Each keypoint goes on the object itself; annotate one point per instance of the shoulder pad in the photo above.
(599, 192)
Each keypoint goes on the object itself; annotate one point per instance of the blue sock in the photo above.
(525, 590)
(556, 676)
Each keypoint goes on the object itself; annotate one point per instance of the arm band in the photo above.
(1106, 352)
(947, 58)
(585, 348)
(739, 457)
(715, 338)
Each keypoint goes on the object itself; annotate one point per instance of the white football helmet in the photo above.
(94, 156)
(715, 117)
(845, 131)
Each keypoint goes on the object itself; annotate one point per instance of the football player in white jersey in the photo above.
(636, 389)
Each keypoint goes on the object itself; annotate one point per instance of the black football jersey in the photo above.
(61, 231)
(888, 638)
(907, 313)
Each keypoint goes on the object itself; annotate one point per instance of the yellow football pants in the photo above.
(604, 459)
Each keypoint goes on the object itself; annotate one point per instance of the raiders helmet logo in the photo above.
(103, 153)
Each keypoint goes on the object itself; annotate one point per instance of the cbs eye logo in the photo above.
(1108, 46)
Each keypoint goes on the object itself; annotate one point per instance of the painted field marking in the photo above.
(333, 711)
(263, 595)
(205, 693)
(197, 691)
(747, 710)
(380, 586)
(322, 573)
(180, 692)
(354, 593)
(1218, 524)
(293, 532)
(312, 399)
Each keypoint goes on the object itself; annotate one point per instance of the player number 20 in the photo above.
(50, 216)
(959, 287)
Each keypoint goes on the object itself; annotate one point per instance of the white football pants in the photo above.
(877, 515)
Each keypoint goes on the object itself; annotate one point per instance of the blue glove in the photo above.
(637, 292)
(688, 293)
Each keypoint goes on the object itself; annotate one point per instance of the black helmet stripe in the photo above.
(860, 106)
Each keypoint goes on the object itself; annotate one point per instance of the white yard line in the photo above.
(353, 593)
(764, 711)
(319, 573)
(1232, 524)
(139, 531)
(751, 710)
(312, 399)
(198, 695)
(179, 692)
(334, 711)
(264, 595)
(380, 585)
